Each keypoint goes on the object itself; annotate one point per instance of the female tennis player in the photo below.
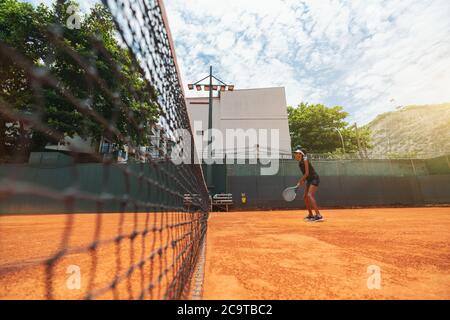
(312, 180)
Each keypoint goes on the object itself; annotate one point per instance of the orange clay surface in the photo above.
(26, 241)
(250, 255)
(276, 255)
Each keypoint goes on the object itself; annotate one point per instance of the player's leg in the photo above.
(312, 201)
(307, 204)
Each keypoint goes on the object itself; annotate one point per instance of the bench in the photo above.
(222, 200)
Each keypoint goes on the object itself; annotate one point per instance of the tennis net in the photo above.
(92, 205)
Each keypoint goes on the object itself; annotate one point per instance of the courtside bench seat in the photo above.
(222, 200)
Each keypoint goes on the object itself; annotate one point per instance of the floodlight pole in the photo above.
(210, 103)
(209, 178)
(223, 87)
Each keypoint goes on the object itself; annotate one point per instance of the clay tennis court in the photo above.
(250, 255)
(276, 255)
(27, 241)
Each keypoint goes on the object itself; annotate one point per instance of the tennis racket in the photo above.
(289, 194)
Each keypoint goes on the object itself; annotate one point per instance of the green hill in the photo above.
(413, 130)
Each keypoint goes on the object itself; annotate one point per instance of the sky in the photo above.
(368, 56)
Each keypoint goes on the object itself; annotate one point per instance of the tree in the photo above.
(96, 43)
(20, 25)
(315, 127)
(88, 62)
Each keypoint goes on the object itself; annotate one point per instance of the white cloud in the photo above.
(357, 54)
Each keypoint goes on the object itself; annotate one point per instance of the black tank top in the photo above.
(312, 171)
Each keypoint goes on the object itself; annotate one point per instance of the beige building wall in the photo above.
(246, 109)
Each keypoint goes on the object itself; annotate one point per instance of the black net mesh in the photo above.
(91, 204)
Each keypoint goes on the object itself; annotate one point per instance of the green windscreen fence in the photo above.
(438, 166)
(345, 183)
(349, 168)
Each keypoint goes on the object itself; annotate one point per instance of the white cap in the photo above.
(299, 151)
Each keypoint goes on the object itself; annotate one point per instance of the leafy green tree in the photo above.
(114, 71)
(20, 25)
(316, 128)
(89, 63)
